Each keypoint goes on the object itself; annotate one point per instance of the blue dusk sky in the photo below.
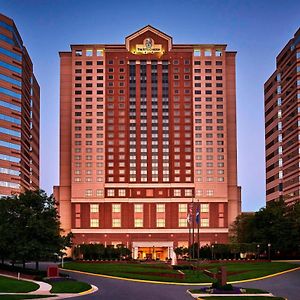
(257, 30)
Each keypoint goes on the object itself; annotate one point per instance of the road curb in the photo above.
(179, 283)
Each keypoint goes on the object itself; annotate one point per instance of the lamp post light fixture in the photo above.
(269, 251)
(212, 251)
(258, 250)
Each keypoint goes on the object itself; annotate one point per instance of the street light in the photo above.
(258, 251)
(269, 251)
(212, 251)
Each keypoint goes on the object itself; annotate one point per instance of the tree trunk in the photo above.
(37, 265)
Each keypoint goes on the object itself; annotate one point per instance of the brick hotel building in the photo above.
(19, 114)
(282, 125)
(147, 127)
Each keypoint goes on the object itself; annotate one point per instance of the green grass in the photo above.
(248, 291)
(254, 270)
(11, 285)
(19, 297)
(69, 286)
(243, 297)
(154, 271)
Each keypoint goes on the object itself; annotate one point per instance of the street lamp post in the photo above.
(212, 251)
(258, 251)
(269, 251)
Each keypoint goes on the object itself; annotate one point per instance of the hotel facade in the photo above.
(147, 128)
(19, 114)
(282, 123)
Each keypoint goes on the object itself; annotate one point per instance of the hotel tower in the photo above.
(282, 125)
(19, 114)
(147, 128)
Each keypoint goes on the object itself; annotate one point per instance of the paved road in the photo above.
(286, 285)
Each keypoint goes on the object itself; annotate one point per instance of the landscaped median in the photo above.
(231, 292)
(162, 272)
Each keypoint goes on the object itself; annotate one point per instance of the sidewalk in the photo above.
(44, 289)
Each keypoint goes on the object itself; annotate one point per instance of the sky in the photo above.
(257, 30)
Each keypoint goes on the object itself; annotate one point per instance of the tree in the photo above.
(277, 224)
(30, 227)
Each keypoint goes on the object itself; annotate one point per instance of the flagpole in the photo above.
(193, 228)
(198, 231)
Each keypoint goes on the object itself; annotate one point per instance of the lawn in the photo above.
(242, 271)
(11, 285)
(247, 291)
(19, 297)
(164, 272)
(243, 297)
(69, 286)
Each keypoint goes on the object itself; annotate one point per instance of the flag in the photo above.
(198, 216)
(189, 217)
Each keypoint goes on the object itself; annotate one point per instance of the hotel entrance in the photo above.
(153, 253)
(152, 250)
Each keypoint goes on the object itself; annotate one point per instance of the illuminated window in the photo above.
(138, 222)
(160, 208)
(160, 223)
(182, 207)
(204, 222)
(177, 193)
(138, 208)
(182, 222)
(94, 208)
(188, 192)
(122, 192)
(204, 207)
(116, 208)
(116, 222)
(94, 223)
(210, 192)
(99, 193)
(88, 193)
(110, 193)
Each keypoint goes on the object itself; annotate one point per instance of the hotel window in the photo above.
(116, 208)
(197, 52)
(207, 52)
(188, 192)
(94, 208)
(138, 208)
(122, 192)
(210, 193)
(88, 193)
(116, 222)
(99, 52)
(204, 208)
(182, 207)
(177, 193)
(218, 53)
(160, 223)
(160, 208)
(110, 193)
(182, 222)
(78, 53)
(204, 222)
(94, 223)
(89, 52)
(99, 193)
(138, 222)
